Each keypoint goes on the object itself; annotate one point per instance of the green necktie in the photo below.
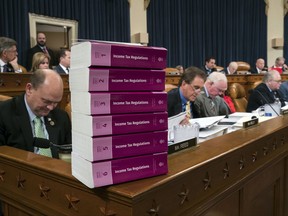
(39, 132)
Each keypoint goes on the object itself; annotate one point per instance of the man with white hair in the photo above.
(231, 69)
(208, 102)
(266, 92)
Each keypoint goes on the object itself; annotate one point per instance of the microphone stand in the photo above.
(262, 96)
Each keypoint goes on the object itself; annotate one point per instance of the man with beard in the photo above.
(19, 115)
(40, 47)
(190, 84)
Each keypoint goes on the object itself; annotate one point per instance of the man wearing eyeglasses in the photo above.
(208, 102)
(8, 56)
(192, 80)
(266, 92)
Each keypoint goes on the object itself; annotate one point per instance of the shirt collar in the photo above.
(183, 99)
(32, 116)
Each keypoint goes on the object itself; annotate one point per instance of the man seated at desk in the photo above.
(8, 56)
(34, 114)
(208, 102)
(266, 92)
(181, 99)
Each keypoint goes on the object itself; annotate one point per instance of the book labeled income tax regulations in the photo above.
(97, 174)
(96, 103)
(119, 146)
(119, 124)
(116, 79)
(86, 54)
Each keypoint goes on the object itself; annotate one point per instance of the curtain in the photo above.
(97, 19)
(285, 49)
(192, 30)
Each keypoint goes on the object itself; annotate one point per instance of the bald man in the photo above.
(17, 115)
(259, 67)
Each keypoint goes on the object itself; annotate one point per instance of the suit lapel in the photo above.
(22, 119)
(51, 128)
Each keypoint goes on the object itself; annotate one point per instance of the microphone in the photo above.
(45, 143)
(266, 101)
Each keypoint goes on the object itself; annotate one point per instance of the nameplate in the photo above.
(191, 143)
(284, 112)
(250, 123)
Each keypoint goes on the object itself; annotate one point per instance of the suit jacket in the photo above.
(35, 49)
(206, 106)
(254, 70)
(9, 68)
(15, 126)
(262, 95)
(174, 104)
(225, 71)
(59, 69)
(284, 90)
(207, 71)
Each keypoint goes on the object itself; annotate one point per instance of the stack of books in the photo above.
(119, 118)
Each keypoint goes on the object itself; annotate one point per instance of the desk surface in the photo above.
(210, 178)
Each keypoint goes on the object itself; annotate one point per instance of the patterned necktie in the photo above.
(39, 132)
(5, 68)
(188, 109)
(45, 51)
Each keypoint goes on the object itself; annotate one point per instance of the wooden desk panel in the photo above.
(227, 175)
(13, 84)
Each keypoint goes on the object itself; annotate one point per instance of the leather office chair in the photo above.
(4, 97)
(243, 67)
(238, 95)
(169, 87)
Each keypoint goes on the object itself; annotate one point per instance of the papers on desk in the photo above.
(212, 132)
(240, 117)
(207, 122)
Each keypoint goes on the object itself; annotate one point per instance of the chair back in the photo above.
(238, 95)
(4, 97)
(243, 67)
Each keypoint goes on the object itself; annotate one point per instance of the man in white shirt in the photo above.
(64, 65)
(8, 56)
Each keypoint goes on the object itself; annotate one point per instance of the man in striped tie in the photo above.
(182, 99)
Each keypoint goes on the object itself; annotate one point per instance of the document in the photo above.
(207, 122)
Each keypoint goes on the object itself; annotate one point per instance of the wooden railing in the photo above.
(13, 84)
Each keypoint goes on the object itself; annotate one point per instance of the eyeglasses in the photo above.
(219, 90)
(13, 51)
(195, 88)
(278, 81)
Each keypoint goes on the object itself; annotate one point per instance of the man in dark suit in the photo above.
(259, 67)
(8, 56)
(266, 92)
(17, 115)
(209, 66)
(231, 69)
(190, 84)
(64, 64)
(40, 47)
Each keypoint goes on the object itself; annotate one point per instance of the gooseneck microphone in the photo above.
(266, 101)
(45, 143)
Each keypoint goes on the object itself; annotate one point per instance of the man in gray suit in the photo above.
(208, 102)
